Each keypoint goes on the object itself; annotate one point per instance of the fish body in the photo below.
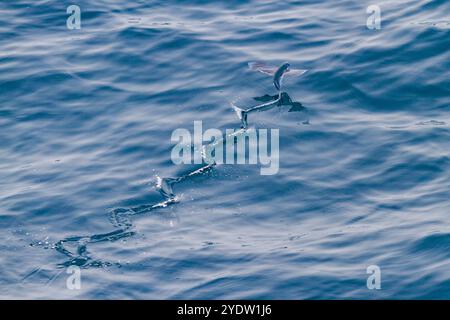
(279, 74)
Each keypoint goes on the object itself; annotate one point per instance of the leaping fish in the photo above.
(278, 75)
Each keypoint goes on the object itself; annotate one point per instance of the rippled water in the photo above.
(86, 118)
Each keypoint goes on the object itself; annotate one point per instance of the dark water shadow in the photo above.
(285, 100)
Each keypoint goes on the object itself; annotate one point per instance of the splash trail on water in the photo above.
(120, 218)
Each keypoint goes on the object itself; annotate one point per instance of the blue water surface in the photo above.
(86, 118)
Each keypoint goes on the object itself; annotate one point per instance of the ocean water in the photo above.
(86, 118)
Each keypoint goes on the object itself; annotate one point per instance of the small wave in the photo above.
(431, 123)
(433, 24)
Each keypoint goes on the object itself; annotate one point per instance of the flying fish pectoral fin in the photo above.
(295, 72)
(262, 67)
